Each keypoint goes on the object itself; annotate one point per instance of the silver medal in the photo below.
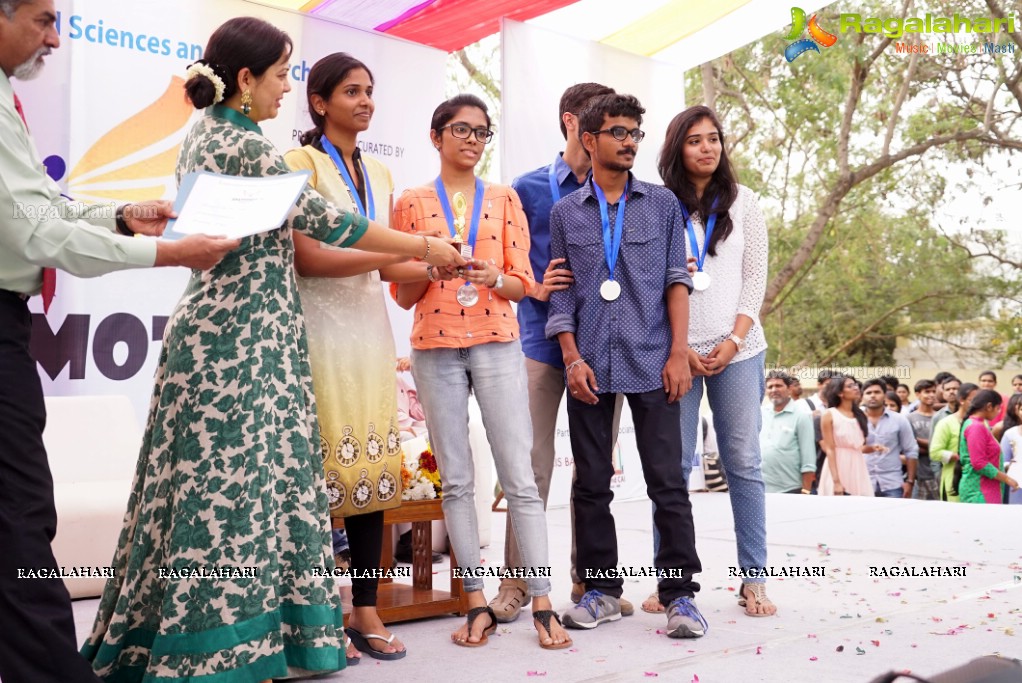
(610, 290)
(700, 280)
(468, 295)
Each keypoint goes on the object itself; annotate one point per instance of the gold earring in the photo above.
(246, 103)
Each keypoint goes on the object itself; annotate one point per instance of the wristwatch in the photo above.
(499, 282)
(739, 342)
(122, 225)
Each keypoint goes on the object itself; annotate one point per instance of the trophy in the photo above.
(460, 206)
(467, 294)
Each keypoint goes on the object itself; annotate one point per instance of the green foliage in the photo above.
(853, 151)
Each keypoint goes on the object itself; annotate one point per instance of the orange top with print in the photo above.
(503, 239)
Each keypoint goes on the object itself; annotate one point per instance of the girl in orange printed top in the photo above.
(465, 337)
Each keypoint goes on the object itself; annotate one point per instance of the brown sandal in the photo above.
(471, 617)
(543, 616)
(511, 597)
(758, 593)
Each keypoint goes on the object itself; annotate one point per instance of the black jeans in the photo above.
(658, 437)
(38, 644)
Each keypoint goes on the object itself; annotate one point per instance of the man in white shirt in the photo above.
(38, 644)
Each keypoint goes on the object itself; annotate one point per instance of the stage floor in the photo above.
(844, 626)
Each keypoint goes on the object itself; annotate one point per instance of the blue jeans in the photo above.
(735, 396)
(495, 372)
(889, 493)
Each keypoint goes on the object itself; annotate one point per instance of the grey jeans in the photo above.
(495, 372)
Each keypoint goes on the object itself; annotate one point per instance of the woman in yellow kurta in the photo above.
(351, 347)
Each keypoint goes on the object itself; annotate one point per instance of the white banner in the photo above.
(538, 65)
(108, 114)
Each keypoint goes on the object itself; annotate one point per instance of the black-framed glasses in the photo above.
(463, 131)
(620, 133)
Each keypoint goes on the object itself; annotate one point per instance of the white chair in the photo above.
(92, 443)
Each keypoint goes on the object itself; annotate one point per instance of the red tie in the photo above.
(49, 274)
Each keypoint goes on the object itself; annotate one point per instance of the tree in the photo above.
(471, 70)
(854, 151)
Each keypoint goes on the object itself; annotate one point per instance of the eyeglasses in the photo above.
(620, 133)
(463, 131)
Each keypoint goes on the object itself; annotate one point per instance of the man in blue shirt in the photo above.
(891, 436)
(623, 328)
(537, 190)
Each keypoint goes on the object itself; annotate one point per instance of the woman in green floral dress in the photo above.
(223, 565)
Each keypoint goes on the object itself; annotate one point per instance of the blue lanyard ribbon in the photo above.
(329, 148)
(700, 254)
(555, 187)
(477, 208)
(611, 242)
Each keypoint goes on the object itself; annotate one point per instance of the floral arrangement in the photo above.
(420, 477)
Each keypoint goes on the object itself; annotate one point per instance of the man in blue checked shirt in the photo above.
(893, 442)
(538, 190)
(623, 328)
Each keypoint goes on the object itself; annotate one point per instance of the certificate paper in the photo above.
(233, 206)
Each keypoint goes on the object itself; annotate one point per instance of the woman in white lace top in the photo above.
(727, 241)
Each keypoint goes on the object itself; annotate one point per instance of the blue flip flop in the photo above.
(362, 645)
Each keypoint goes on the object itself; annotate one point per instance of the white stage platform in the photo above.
(846, 626)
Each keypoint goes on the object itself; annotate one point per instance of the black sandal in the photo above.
(471, 617)
(543, 616)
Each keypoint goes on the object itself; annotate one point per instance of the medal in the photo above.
(700, 279)
(468, 295)
(610, 290)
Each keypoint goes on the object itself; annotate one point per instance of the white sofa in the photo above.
(92, 443)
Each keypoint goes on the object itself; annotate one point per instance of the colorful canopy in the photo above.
(686, 32)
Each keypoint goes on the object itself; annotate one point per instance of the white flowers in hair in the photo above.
(206, 71)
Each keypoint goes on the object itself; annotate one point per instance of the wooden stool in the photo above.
(400, 601)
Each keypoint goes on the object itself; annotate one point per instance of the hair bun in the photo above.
(205, 85)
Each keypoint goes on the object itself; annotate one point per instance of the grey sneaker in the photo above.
(684, 619)
(593, 609)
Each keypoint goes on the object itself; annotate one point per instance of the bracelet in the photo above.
(426, 240)
(806, 491)
(573, 364)
(911, 482)
(429, 273)
(122, 225)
